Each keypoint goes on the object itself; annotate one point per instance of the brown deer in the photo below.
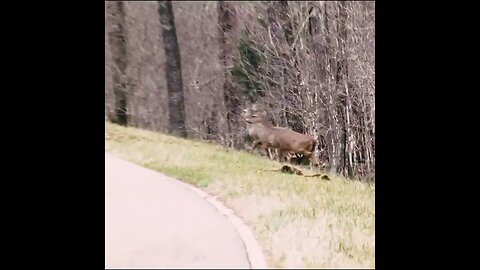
(255, 132)
(284, 140)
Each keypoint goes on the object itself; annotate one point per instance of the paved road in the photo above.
(152, 221)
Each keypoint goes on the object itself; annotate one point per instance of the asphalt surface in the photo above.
(153, 221)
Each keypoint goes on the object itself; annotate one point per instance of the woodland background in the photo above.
(190, 68)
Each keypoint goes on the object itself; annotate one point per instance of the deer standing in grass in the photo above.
(284, 140)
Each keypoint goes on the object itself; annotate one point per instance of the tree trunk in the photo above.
(343, 83)
(227, 20)
(331, 94)
(117, 40)
(173, 70)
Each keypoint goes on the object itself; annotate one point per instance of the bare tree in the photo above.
(117, 39)
(318, 72)
(173, 69)
(227, 20)
(281, 28)
(310, 64)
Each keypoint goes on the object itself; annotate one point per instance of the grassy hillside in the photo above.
(299, 222)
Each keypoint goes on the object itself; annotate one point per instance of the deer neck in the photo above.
(266, 123)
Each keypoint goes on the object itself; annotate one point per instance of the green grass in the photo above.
(299, 222)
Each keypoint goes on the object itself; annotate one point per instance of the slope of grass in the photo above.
(299, 222)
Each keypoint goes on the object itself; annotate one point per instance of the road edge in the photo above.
(254, 252)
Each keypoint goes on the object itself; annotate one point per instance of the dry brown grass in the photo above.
(299, 222)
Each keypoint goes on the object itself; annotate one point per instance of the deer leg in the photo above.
(312, 161)
(280, 155)
(266, 150)
(288, 157)
(275, 153)
(255, 144)
(269, 153)
(263, 147)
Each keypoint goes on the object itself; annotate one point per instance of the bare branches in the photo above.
(311, 64)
